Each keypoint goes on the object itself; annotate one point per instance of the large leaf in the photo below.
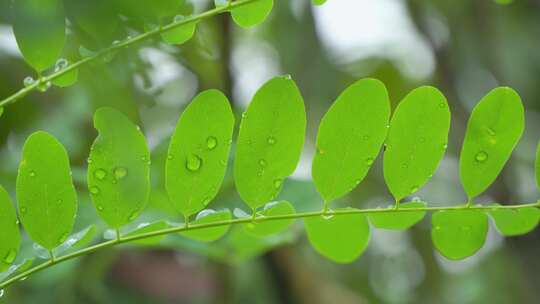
(118, 168)
(209, 234)
(45, 193)
(416, 140)
(495, 126)
(251, 14)
(198, 152)
(269, 227)
(350, 136)
(341, 238)
(458, 234)
(10, 238)
(511, 222)
(270, 141)
(399, 220)
(39, 27)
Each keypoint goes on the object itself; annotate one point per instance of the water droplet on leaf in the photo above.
(262, 163)
(94, 190)
(61, 64)
(120, 172)
(32, 173)
(10, 256)
(100, 208)
(193, 163)
(271, 140)
(211, 142)
(100, 174)
(481, 156)
(28, 81)
(277, 183)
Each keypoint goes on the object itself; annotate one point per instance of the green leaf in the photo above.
(270, 141)
(179, 34)
(318, 2)
(209, 234)
(10, 238)
(39, 29)
(350, 136)
(538, 166)
(16, 268)
(416, 140)
(77, 240)
(147, 228)
(458, 234)
(265, 228)
(341, 238)
(253, 13)
(118, 168)
(198, 152)
(45, 192)
(242, 245)
(67, 79)
(511, 222)
(399, 220)
(494, 128)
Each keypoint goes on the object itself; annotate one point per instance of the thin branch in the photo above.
(127, 239)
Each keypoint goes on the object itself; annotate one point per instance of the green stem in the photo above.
(127, 239)
(116, 47)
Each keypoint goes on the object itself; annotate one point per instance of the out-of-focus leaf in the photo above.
(198, 152)
(67, 79)
(340, 238)
(416, 141)
(147, 228)
(179, 34)
(10, 238)
(350, 136)
(270, 141)
(318, 2)
(493, 130)
(265, 228)
(511, 222)
(250, 14)
(45, 193)
(458, 234)
(399, 220)
(118, 168)
(39, 27)
(77, 240)
(16, 268)
(209, 234)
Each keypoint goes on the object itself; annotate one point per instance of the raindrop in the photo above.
(170, 156)
(100, 208)
(416, 199)
(61, 64)
(32, 173)
(120, 172)
(481, 156)
(244, 115)
(94, 190)
(23, 210)
(204, 213)
(437, 227)
(262, 163)
(23, 279)
(28, 81)
(277, 183)
(193, 163)
(442, 105)
(288, 76)
(414, 188)
(89, 160)
(10, 256)
(179, 18)
(206, 200)
(133, 216)
(59, 201)
(369, 161)
(116, 42)
(271, 140)
(2, 292)
(320, 151)
(445, 146)
(43, 86)
(490, 132)
(211, 142)
(328, 214)
(100, 174)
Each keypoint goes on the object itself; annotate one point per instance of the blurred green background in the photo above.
(463, 47)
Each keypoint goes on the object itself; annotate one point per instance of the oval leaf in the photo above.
(45, 193)
(147, 228)
(416, 140)
(199, 151)
(251, 14)
(270, 141)
(179, 34)
(335, 238)
(458, 234)
(118, 168)
(495, 126)
(77, 240)
(10, 238)
(266, 228)
(350, 136)
(39, 28)
(401, 220)
(209, 234)
(511, 222)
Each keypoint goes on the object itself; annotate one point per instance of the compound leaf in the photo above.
(45, 193)
(10, 238)
(416, 140)
(399, 220)
(198, 152)
(270, 141)
(350, 136)
(266, 228)
(335, 238)
(511, 222)
(118, 168)
(458, 234)
(39, 28)
(209, 234)
(493, 130)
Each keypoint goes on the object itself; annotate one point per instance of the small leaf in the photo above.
(265, 228)
(198, 152)
(45, 192)
(209, 234)
(67, 79)
(350, 136)
(416, 140)
(179, 34)
(511, 222)
(251, 14)
(39, 29)
(399, 220)
(118, 168)
(318, 2)
(10, 238)
(458, 234)
(494, 128)
(270, 141)
(335, 238)
(147, 228)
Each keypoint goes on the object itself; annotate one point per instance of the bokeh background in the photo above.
(463, 47)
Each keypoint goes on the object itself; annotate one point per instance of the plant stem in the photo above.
(127, 239)
(123, 44)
